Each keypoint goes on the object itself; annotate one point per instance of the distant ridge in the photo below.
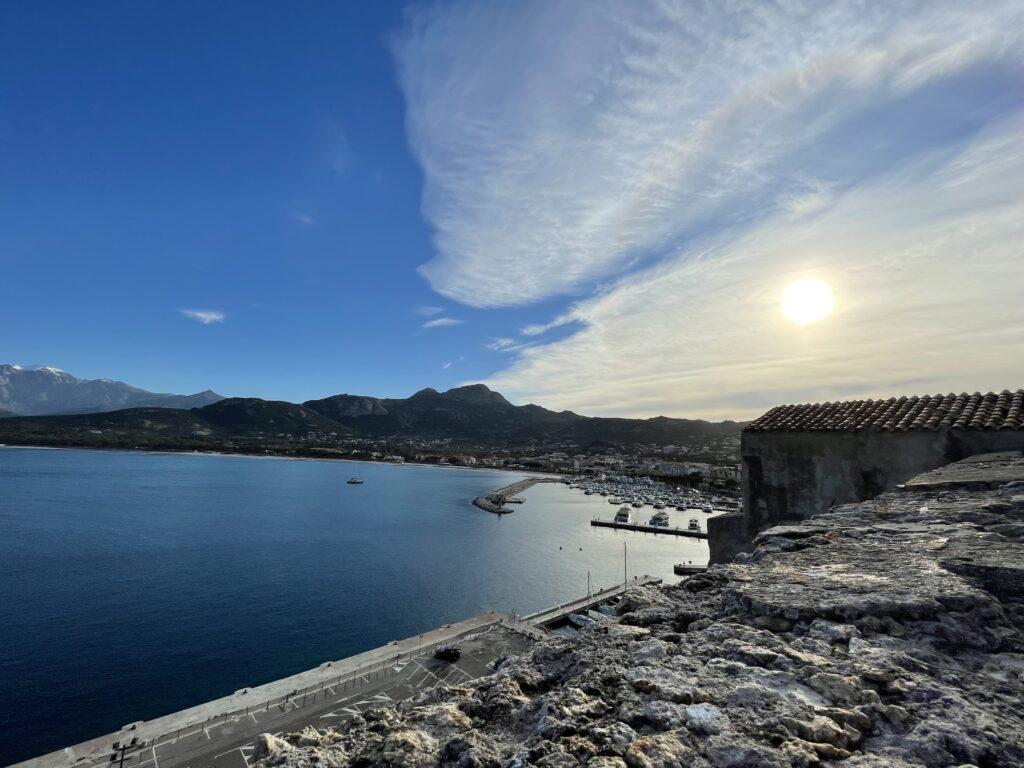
(43, 390)
(471, 414)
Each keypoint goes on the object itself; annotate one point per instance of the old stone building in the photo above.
(798, 460)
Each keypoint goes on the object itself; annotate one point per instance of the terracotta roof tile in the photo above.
(930, 413)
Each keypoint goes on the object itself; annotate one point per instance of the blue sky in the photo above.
(242, 159)
(593, 205)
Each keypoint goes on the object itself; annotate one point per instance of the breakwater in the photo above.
(495, 501)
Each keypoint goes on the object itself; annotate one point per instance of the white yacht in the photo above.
(694, 524)
(660, 519)
(354, 480)
(622, 516)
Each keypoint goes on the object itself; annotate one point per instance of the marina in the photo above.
(641, 492)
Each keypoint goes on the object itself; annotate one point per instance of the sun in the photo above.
(807, 300)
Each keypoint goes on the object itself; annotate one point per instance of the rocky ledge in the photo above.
(886, 633)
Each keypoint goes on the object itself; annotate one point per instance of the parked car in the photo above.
(449, 654)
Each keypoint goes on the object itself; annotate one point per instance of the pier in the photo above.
(649, 529)
(495, 502)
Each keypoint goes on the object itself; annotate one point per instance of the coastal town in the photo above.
(713, 463)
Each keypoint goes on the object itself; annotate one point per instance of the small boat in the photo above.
(622, 516)
(637, 504)
(688, 569)
(659, 505)
(660, 519)
(694, 524)
(354, 480)
(706, 509)
(588, 492)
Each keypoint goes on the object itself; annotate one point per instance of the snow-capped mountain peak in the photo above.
(38, 390)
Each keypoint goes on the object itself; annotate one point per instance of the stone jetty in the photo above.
(495, 501)
(884, 633)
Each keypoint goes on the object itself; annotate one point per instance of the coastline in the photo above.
(236, 454)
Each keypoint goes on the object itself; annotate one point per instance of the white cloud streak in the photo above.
(204, 316)
(442, 322)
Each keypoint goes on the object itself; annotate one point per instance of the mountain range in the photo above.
(40, 390)
(470, 414)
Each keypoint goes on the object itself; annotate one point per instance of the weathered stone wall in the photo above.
(790, 476)
(884, 634)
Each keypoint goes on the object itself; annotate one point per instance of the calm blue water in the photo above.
(135, 584)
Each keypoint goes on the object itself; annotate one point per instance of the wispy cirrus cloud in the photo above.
(204, 316)
(926, 265)
(442, 322)
(672, 160)
(562, 141)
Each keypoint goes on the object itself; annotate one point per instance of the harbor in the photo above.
(224, 733)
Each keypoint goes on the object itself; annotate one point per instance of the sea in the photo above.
(135, 584)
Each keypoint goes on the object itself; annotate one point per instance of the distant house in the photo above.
(798, 460)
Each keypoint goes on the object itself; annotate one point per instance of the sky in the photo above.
(588, 205)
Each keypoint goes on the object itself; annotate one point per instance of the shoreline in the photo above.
(235, 454)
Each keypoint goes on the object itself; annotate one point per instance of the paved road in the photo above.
(230, 744)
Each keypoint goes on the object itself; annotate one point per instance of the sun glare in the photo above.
(807, 300)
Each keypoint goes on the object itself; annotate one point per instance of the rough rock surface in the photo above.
(886, 633)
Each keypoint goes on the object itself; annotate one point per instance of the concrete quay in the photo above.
(549, 617)
(222, 733)
(495, 501)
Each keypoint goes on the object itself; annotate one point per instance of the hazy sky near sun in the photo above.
(587, 204)
(675, 165)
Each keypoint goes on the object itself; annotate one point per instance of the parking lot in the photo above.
(230, 744)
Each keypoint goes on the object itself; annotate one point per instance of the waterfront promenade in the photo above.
(222, 733)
